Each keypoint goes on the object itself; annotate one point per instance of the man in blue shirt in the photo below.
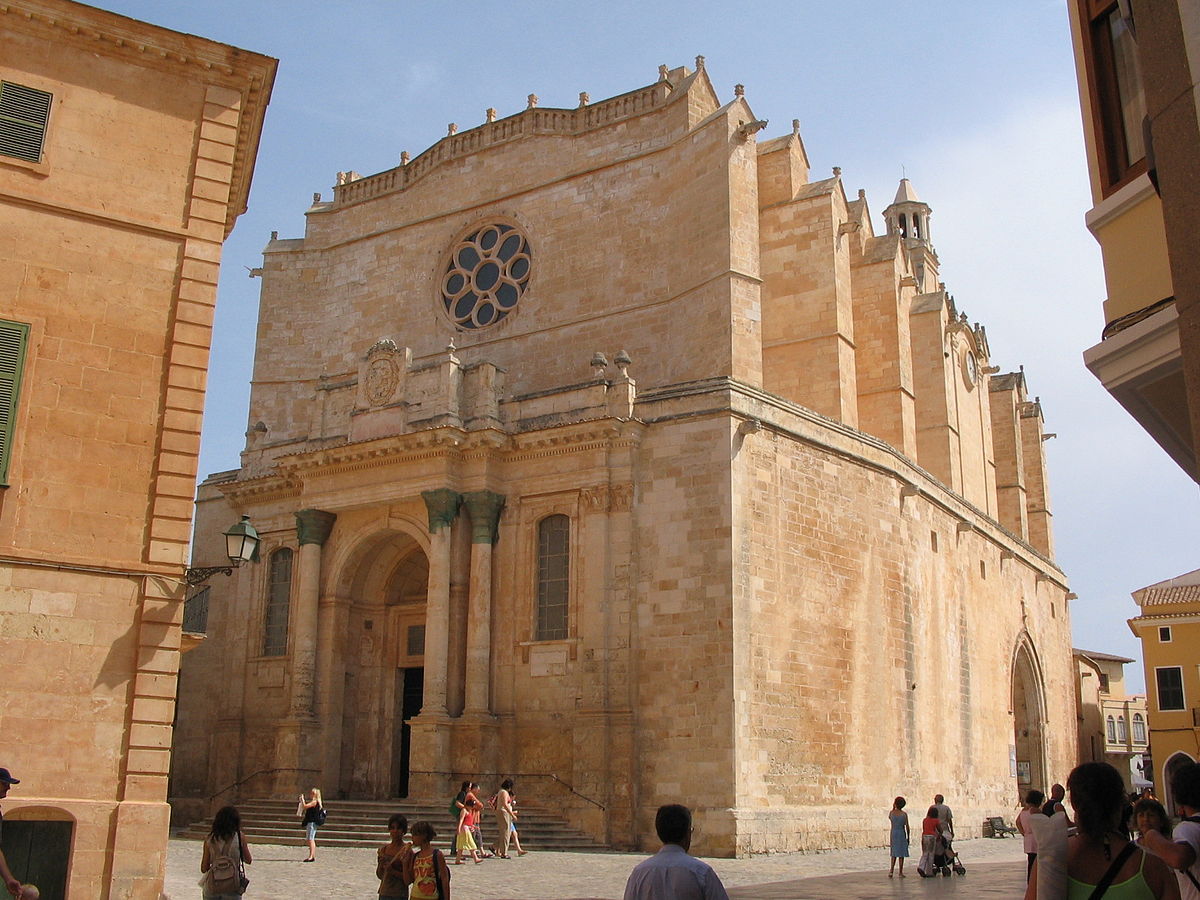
(671, 874)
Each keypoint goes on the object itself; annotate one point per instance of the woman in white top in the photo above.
(1033, 807)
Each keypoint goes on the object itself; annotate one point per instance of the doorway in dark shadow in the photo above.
(410, 692)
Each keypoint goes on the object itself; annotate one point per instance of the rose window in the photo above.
(486, 276)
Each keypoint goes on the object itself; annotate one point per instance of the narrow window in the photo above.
(195, 611)
(14, 338)
(1111, 730)
(1118, 101)
(1104, 682)
(1139, 729)
(24, 114)
(279, 593)
(1122, 732)
(553, 570)
(1164, 634)
(1169, 681)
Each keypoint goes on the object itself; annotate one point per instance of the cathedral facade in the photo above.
(607, 448)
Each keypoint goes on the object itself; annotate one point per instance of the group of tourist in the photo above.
(1103, 857)
(467, 810)
(414, 871)
(937, 839)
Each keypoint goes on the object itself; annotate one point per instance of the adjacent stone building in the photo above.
(1112, 724)
(1168, 625)
(607, 443)
(126, 153)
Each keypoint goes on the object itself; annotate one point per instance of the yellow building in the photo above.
(1138, 85)
(126, 153)
(1169, 629)
(612, 443)
(1112, 724)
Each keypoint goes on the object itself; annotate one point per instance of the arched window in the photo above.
(1112, 730)
(279, 594)
(903, 225)
(553, 570)
(1122, 732)
(1139, 729)
(917, 226)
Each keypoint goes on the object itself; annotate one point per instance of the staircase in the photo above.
(363, 823)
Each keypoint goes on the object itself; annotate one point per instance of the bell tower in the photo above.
(908, 217)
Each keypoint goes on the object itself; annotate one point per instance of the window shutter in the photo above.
(24, 113)
(13, 338)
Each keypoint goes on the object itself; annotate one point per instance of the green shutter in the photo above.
(14, 336)
(24, 114)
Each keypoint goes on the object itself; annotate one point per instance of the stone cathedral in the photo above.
(610, 444)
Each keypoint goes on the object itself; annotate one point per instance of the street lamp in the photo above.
(241, 544)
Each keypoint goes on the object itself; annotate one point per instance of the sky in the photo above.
(976, 103)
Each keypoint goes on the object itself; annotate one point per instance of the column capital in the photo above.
(313, 526)
(442, 505)
(484, 507)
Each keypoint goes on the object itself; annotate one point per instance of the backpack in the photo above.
(492, 801)
(226, 872)
(321, 815)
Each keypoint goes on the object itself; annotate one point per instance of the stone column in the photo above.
(484, 507)
(442, 505)
(312, 529)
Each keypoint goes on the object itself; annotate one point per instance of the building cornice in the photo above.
(98, 31)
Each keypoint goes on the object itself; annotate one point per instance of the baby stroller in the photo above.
(938, 857)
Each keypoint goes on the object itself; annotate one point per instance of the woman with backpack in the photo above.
(314, 817)
(222, 863)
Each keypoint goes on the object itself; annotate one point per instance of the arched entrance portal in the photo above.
(1029, 721)
(382, 667)
(1173, 765)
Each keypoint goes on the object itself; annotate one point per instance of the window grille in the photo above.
(195, 612)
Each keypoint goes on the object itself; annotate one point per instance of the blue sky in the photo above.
(975, 102)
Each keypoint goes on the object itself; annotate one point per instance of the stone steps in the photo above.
(363, 823)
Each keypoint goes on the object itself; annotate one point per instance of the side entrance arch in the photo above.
(1029, 720)
(1173, 764)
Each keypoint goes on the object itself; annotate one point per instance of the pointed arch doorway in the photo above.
(1029, 721)
(383, 666)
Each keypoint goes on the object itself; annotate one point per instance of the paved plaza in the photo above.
(996, 868)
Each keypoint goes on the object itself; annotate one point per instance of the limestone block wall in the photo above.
(808, 325)
(939, 439)
(109, 248)
(877, 607)
(883, 348)
(634, 247)
(1007, 394)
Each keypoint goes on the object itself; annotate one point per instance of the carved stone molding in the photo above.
(485, 508)
(442, 505)
(383, 372)
(313, 526)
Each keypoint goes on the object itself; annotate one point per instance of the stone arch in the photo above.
(1028, 709)
(1174, 762)
(379, 578)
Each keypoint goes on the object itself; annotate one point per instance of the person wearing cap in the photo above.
(13, 884)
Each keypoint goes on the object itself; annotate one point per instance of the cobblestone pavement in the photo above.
(996, 868)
